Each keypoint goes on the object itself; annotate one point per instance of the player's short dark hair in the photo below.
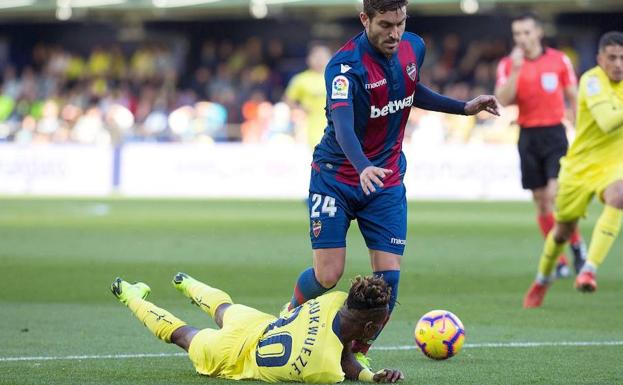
(528, 15)
(372, 7)
(368, 292)
(610, 38)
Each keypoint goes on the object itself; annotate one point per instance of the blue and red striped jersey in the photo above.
(381, 91)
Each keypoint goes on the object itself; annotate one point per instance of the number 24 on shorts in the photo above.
(328, 206)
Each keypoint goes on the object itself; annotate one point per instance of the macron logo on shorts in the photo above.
(392, 107)
(396, 241)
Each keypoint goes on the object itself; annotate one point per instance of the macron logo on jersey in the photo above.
(344, 68)
(381, 82)
(392, 107)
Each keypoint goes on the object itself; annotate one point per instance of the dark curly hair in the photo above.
(367, 293)
(372, 7)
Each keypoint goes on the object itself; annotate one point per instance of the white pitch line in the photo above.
(385, 348)
(92, 357)
(514, 345)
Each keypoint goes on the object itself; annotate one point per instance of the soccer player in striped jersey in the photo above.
(358, 167)
(538, 79)
(592, 167)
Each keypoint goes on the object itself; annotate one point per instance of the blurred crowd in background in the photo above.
(235, 91)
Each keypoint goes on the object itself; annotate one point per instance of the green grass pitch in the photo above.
(59, 256)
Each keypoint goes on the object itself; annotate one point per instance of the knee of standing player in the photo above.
(328, 278)
(614, 196)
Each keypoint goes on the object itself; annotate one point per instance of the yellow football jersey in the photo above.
(304, 346)
(593, 150)
(308, 90)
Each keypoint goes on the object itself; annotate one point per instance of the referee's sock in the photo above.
(546, 223)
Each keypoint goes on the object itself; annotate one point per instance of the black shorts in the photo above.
(540, 150)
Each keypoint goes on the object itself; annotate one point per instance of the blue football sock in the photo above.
(391, 277)
(307, 287)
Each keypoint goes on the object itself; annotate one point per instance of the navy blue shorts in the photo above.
(382, 215)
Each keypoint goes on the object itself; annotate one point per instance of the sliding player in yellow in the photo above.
(593, 166)
(311, 343)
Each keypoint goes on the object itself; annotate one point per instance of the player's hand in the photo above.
(483, 103)
(373, 175)
(388, 375)
(517, 56)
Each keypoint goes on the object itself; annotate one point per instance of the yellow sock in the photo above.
(207, 297)
(551, 251)
(605, 232)
(159, 321)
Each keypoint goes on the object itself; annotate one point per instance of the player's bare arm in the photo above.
(388, 376)
(571, 94)
(507, 92)
(350, 366)
(353, 370)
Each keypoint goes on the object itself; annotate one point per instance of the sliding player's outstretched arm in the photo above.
(350, 365)
(362, 316)
(354, 371)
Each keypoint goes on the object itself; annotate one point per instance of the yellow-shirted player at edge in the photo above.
(310, 343)
(592, 167)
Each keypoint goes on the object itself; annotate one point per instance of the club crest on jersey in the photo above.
(316, 228)
(549, 81)
(412, 71)
(339, 87)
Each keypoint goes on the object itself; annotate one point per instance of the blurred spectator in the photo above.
(113, 94)
(307, 91)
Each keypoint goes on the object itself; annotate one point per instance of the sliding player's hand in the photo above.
(482, 103)
(388, 375)
(371, 176)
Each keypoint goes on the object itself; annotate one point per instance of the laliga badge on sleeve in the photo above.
(592, 86)
(339, 87)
